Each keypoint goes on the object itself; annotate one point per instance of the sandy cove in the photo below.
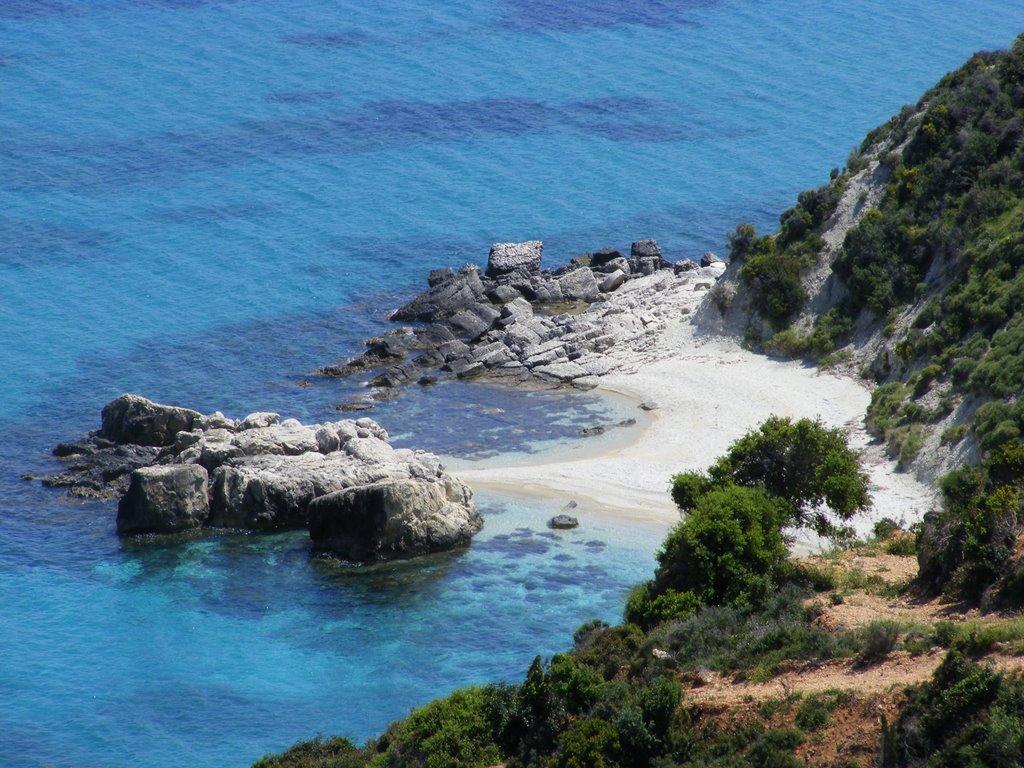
(709, 392)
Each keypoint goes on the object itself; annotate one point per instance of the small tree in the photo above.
(730, 549)
(802, 462)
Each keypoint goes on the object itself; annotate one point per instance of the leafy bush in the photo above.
(726, 552)
(590, 743)
(877, 640)
(815, 712)
(966, 715)
(803, 462)
(751, 641)
(453, 732)
(318, 753)
(774, 281)
(965, 547)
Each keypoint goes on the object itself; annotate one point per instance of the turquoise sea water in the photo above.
(202, 201)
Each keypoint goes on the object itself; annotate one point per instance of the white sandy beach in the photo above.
(709, 392)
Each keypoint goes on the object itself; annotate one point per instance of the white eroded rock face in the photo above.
(393, 518)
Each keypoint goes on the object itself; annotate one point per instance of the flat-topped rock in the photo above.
(164, 500)
(506, 258)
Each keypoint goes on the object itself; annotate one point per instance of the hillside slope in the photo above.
(904, 269)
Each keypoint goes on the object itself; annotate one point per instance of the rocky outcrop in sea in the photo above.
(175, 469)
(520, 323)
(178, 470)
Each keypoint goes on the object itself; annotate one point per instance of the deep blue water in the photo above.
(202, 201)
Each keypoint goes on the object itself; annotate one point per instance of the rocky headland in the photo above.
(523, 324)
(178, 470)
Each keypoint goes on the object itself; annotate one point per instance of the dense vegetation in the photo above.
(967, 716)
(730, 549)
(937, 266)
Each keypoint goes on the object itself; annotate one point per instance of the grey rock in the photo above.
(273, 492)
(579, 285)
(546, 291)
(259, 420)
(486, 312)
(708, 259)
(370, 450)
(164, 499)
(603, 257)
(613, 281)
(505, 258)
(645, 249)
(561, 371)
(493, 354)
(543, 358)
(684, 266)
(502, 294)
(620, 264)
(646, 265)
(468, 325)
(518, 309)
(395, 376)
(522, 335)
(440, 276)
(136, 420)
(586, 383)
(563, 522)
(452, 350)
(712, 271)
(392, 519)
(445, 298)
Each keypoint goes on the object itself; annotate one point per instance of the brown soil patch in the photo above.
(892, 569)
(900, 670)
(860, 608)
(854, 729)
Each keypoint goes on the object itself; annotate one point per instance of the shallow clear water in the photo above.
(203, 201)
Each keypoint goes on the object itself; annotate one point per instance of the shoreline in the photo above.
(710, 391)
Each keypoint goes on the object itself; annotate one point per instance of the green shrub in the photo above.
(589, 743)
(803, 462)
(815, 712)
(318, 753)
(647, 606)
(774, 283)
(726, 551)
(453, 732)
(775, 749)
(877, 640)
(901, 545)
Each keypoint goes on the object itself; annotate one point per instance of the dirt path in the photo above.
(899, 671)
